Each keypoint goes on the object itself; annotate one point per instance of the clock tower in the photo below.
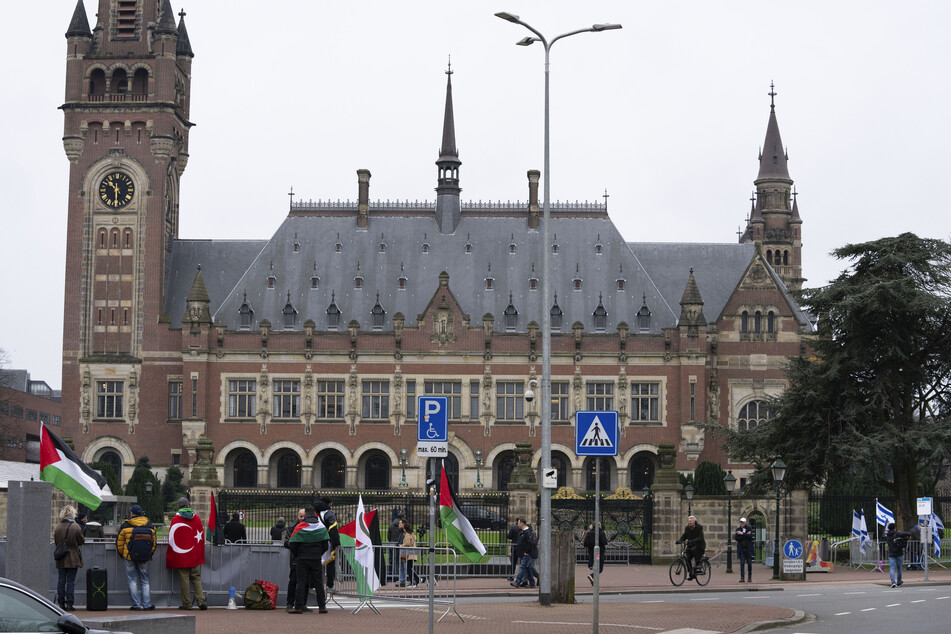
(126, 137)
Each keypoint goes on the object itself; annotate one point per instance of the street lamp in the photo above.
(688, 491)
(544, 595)
(403, 461)
(730, 482)
(479, 462)
(148, 495)
(779, 471)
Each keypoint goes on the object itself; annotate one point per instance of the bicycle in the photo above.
(679, 568)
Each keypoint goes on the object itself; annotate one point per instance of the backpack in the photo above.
(140, 542)
(256, 598)
(532, 543)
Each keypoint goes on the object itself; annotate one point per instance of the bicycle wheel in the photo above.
(678, 572)
(703, 572)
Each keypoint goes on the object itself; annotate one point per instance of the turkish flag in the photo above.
(186, 542)
(213, 515)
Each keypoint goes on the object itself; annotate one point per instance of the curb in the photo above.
(798, 617)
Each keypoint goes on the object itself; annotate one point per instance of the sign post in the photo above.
(596, 435)
(432, 441)
(925, 508)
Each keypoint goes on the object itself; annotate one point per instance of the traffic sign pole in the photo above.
(597, 538)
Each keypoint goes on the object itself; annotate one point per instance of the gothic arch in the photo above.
(626, 457)
(311, 455)
(106, 443)
(284, 444)
(359, 453)
(238, 444)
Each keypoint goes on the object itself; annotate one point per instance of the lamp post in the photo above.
(544, 595)
(148, 495)
(403, 461)
(779, 471)
(730, 482)
(688, 491)
(479, 462)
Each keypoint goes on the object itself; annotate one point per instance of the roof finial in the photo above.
(606, 196)
(291, 194)
(449, 66)
(181, 13)
(772, 93)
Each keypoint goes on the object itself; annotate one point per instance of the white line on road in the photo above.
(842, 613)
(815, 594)
(637, 627)
(756, 596)
(920, 601)
(868, 609)
(853, 592)
(939, 598)
(706, 599)
(892, 605)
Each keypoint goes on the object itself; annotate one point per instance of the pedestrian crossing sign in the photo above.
(596, 433)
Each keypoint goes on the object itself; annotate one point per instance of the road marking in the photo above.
(853, 592)
(635, 627)
(815, 594)
(755, 596)
(842, 613)
(653, 601)
(939, 598)
(706, 599)
(868, 609)
(920, 601)
(892, 605)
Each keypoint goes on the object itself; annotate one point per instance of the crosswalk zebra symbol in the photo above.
(596, 433)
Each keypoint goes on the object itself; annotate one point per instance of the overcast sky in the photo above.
(666, 114)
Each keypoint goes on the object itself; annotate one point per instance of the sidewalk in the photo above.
(528, 616)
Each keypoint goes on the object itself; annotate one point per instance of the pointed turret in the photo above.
(184, 47)
(79, 24)
(448, 206)
(197, 304)
(772, 159)
(166, 21)
(691, 305)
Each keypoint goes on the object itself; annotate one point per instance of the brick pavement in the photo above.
(485, 615)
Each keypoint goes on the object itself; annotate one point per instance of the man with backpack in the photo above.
(897, 541)
(135, 543)
(527, 550)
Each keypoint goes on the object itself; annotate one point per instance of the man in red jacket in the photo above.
(186, 553)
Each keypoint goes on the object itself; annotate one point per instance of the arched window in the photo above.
(333, 471)
(753, 413)
(127, 239)
(778, 258)
(769, 256)
(288, 471)
(589, 469)
(770, 322)
(102, 238)
(641, 471)
(114, 239)
(377, 472)
(757, 323)
(97, 83)
(114, 461)
(504, 465)
(745, 322)
(452, 469)
(140, 82)
(245, 470)
(556, 315)
(786, 258)
(120, 82)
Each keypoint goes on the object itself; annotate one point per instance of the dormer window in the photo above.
(290, 313)
(554, 248)
(333, 314)
(511, 315)
(600, 316)
(576, 283)
(512, 246)
(533, 283)
(598, 249)
(425, 247)
(468, 249)
(489, 283)
(245, 312)
(338, 248)
(358, 281)
(382, 247)
(314, 282)
(271, 281)
(377, 314)
(296, 244)
(556, 315)
(644, 317)
(620, 284)
(401, 283)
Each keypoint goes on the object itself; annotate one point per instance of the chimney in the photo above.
(363, 198)
(533, 176)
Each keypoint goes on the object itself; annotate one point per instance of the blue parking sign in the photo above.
(596, 433)
(433, 419)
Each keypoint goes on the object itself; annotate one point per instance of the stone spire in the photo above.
(184, 47)
(448, 206)
(772, 159)
(79, 25)
(691, 305)
(166, 21)
(197, 304)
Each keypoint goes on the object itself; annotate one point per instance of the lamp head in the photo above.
(508, 17)
(688, 491)
(526, 41)
(605, 27)
(730, 482)
(148, 487)
(779, 470)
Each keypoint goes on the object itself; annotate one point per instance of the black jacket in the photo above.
(308, 551)
(234, 531)
(588, 540)
(744, 539)
(277, 531)
(694, 536)
(897, 540)
(527, 544)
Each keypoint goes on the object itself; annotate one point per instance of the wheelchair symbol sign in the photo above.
(792, 549)
(433, 419)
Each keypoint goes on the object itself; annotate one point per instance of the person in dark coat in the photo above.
(235, 531)
(744, 549)
(292, 578)
(897, 541)
(94, 528)
(307, 544)
(587, 540)
(277, 531)
(69, 532)
(512, 536)
(329, 518)
(696, 544)
(394, 535)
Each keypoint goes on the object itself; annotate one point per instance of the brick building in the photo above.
(24, 404)
(300, 356)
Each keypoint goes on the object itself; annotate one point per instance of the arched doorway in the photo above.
(115, 461)
(288, 471)
(504, 465)
(333, 471)
(589, 473)
(376, 471)
(244, 470)
(641, 470)
(452, 470)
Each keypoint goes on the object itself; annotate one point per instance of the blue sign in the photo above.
(433, 413)
(792, 549)
(596, 433)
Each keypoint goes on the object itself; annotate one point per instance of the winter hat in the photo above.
(136, 509)
(183, 502)
(81, 516)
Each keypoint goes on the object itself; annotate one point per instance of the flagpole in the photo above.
(432, 540)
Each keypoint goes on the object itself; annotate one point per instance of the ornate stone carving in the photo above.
(566, 493)
(523, 476)
(73, 146)
(203, 473)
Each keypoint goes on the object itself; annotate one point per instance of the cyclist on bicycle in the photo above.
(696, 545)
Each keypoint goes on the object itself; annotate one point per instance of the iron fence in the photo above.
(831, 515)
(627, 523)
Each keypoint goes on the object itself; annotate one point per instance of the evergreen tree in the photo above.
(172, 488)
(109, 474)
(875, 397)
(153, 506)
(709, 479)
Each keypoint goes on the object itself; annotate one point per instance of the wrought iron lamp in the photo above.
(779, 472)
(730, 482)
(403, 461)
(479, 462)
(688, 491)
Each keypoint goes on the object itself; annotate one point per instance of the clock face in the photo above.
(116, 190)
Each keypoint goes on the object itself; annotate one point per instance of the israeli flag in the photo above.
(859, 529)
(866, 540)
(882, 515)
(936, 525)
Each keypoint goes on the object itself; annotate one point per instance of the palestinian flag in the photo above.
(212, 519)
(64, 470)
(358, 535)
(310, 533)
(459, 531)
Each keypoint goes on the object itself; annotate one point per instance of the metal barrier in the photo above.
(613, 553)
(443, 586)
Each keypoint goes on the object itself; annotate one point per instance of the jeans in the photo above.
(527, 568)
(894, 565)
(137, 574)
(65, 584)
(745, 556)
